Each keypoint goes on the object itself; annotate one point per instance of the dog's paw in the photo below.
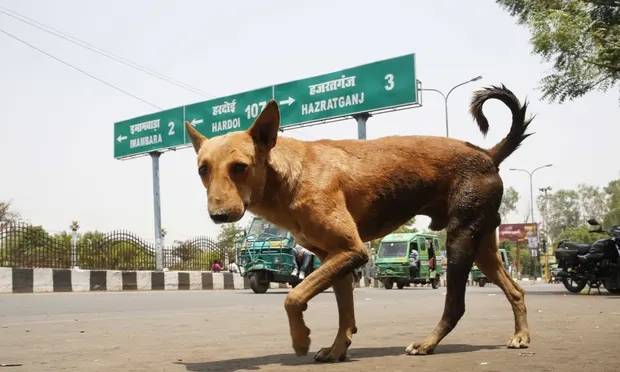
(420, 348)
(330, 355)
(520, 340)
(301, 343)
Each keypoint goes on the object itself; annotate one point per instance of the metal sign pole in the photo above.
(157, 211)
(361, 124)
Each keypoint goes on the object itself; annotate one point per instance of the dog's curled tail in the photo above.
(517, 133)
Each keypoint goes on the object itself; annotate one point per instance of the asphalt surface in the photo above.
(239, 330)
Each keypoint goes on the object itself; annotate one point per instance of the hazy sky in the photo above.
(57, 125)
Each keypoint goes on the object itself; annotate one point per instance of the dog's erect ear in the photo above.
(195, 136)
(264, 131)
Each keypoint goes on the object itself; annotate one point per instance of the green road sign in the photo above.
(375, 86)
(222, 115)
(148, 133)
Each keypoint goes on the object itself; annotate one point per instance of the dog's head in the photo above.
(233, 167)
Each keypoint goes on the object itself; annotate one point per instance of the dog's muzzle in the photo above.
(220, 218)
(223, 217)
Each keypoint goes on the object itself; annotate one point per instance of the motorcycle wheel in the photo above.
(435, 282)
(614, 291)
(574, 286)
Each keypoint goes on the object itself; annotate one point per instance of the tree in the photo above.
(593, 202)
(580, 37)
(509, 202)
(580, 234)
(229, 234)
(564, 210)
(613, 204)
(7, 216)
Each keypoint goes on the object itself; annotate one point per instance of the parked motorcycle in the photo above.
(593, 264)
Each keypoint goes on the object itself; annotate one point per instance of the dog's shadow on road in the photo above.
(289, 359)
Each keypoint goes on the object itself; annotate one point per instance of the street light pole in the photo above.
(545, 190)
(446, 96)
(531, 175)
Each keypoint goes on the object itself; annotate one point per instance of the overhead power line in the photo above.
(114, 57)
(78, 69)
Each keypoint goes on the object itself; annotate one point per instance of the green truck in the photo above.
(478, 276)
(266, 255)
(394, 257)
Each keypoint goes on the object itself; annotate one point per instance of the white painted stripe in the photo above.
(273, 285)
(80, 280)
(143, 279)
(114, 280)
(6, 280)
(171, 280)
(238, 281)
(42, 280)
(195, 280)
(218, 281)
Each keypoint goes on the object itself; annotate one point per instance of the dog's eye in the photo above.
(238, 168)
(203, 171)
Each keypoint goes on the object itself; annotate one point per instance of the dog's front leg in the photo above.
(343, 289)
(335, 268)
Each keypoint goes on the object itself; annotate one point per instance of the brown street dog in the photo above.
(335, 195)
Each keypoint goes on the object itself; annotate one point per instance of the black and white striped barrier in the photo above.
(14, 280)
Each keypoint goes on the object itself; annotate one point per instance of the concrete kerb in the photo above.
(38, 280)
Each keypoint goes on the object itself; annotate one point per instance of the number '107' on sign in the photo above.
(231, 113)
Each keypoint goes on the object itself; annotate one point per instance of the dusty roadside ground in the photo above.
(238, 330)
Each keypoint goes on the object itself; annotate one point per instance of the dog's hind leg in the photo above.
(461, 248)
(490, 263)
(343, 289)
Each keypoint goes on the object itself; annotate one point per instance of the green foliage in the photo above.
(407, 227)
(593, 202)
(580, 37)
(527, 264)
(509, 202)
(7, 216)
(563, 211)
(580, 235)
(32, 246)
(613, 196)
(229, 235)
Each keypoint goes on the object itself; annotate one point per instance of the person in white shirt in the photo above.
(233, 267)
(414, 259)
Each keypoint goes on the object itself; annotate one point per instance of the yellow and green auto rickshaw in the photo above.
(407, 258)
(266, 255)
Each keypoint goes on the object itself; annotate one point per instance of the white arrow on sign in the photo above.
(121, 138)
(195, 122)
(288, 101)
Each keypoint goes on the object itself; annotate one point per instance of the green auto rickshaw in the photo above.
(266, 255)
(478, 276)
(393, 261)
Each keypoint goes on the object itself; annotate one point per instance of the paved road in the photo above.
(238, 330)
